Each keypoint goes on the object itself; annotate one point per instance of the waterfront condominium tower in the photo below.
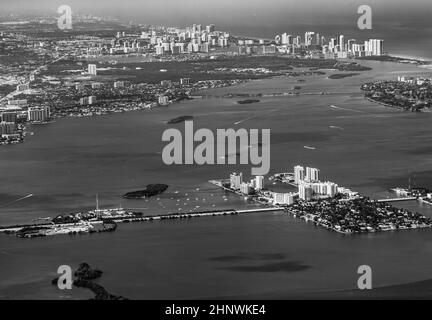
(259, 182)
(312, 175)
(92, 69)
(299, 174)
(236, 180)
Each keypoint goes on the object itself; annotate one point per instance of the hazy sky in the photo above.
(227, 11)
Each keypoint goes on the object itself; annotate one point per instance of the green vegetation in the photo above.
(200, 70)
(149, 191)
(342, 75)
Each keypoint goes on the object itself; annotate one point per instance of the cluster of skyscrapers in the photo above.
(309, 185)
(256, 186)
(190, 40)
(306, 179)
(247, 188)
(337, 47)
(162, 41)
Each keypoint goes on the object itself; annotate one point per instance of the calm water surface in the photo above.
(66, 163)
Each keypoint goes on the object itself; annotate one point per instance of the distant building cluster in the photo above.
(189, 40)
(163, 41)
(247, 188)
(413, 80)
(309, 185)
(9, 129)
(90, 100)
(310, 188)
(320, 47)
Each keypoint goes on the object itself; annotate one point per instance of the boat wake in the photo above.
(346, 109)
(17, 200)
(309, 148)
(338, 128)
(256, 116)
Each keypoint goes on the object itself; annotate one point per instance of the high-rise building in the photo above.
(38, 114)
(376, 47)
(305, 191)
(8, 128)
(283, 198)
(259, 182)
(92, 69)
(350, 45)
(246, 188)
(342, 43)
(308, 38)
(331, 189)
(8, 117)
(236, 180)
(312, 175)
(284, 38)
(332, 44)
(299, 174)
(210, 28)
(160, 50)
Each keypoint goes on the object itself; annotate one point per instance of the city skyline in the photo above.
(404, 25)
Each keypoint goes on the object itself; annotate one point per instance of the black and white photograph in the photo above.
(240, 151)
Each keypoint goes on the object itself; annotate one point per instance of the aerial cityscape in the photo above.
(242, 165)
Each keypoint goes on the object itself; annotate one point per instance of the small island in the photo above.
(85, 277)
(150, 191)
(180, 119)
(248, 101)
(342, 75)
(351, 66)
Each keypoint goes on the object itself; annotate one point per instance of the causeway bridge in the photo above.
(397, 199)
